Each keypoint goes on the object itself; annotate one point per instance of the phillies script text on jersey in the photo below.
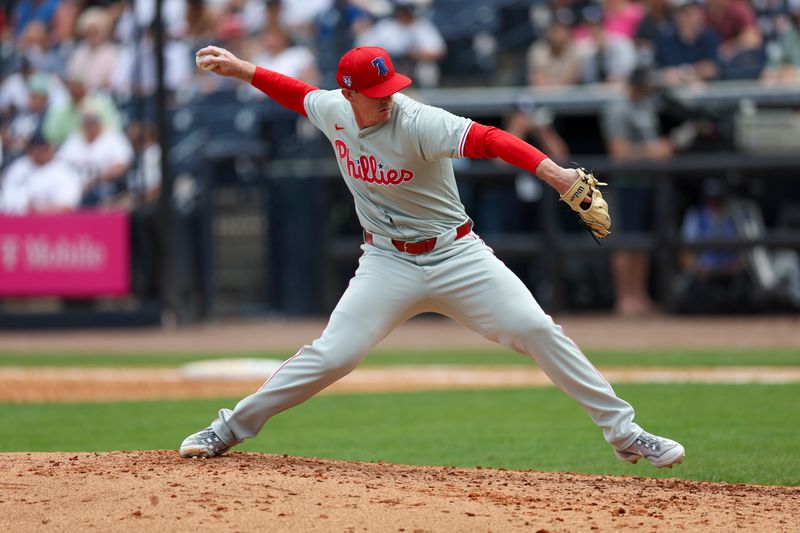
(369, 170)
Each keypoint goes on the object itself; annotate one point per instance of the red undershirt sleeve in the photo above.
(287, 91)
(486, 142)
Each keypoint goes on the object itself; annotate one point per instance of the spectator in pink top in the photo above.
(606, 57)
(622, 17)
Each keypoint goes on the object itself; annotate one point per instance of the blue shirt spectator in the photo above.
(30, 10)
(710, 221)
(671, 51)
(689, 52)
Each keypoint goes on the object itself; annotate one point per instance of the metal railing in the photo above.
(555, 243)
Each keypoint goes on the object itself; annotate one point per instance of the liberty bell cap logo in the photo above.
(369, 70)
(380, 64)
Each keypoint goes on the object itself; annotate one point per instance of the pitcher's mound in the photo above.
(158, 491)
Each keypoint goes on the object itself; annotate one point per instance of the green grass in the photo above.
(735, 433)
(715, 357)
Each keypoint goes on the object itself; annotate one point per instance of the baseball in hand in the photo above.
(200, 62)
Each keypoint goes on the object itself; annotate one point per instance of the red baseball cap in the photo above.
(369, 70)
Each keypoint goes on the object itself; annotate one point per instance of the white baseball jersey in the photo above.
(400, 173)
(401, 176)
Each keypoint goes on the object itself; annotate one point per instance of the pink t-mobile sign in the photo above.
(78, 254)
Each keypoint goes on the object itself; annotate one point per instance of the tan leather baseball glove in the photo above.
(594, 216)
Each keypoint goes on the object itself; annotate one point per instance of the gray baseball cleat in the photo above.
(659, 451)
(203, 444)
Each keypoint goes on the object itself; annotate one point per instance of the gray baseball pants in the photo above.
(461, 279)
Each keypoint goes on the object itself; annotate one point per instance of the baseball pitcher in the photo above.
(420, 253)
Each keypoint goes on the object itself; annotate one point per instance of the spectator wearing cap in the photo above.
(38, 183)
(412, 40)
(606, 57)
(630, 129)
(688, 53)
(96, 56)
(554, 59)
(102, 158)
(62, 120)
(784, 60)
(25, 123)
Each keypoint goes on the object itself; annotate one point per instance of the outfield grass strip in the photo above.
(715, 357)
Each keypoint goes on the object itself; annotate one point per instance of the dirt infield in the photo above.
(157, 491)
(22, 385)
(590, 332)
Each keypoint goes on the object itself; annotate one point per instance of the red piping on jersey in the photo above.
(292, 358)
(464, 138)
(287, 91)
(486, 142)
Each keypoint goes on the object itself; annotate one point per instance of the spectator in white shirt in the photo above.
(38, 183)
(276, 53)
(101, 156)
(413, 42)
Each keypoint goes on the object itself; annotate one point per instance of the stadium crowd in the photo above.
(78, 78)
(70, 68)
